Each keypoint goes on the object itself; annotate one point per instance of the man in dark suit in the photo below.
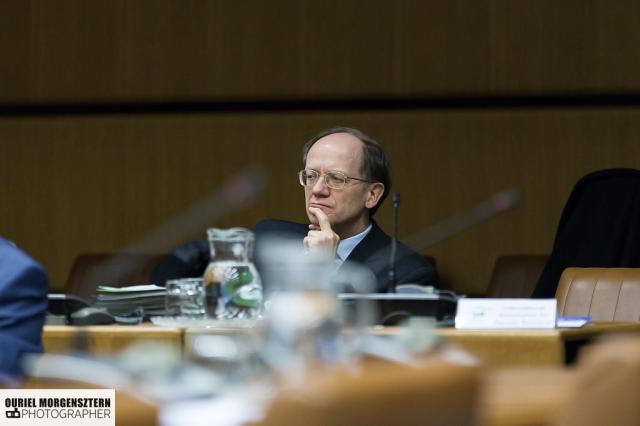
(373, 252)
(23, 304)
(345, 178)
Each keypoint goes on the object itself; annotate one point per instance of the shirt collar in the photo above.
(346, 246)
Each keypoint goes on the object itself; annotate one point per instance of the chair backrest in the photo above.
(599, 227)
(607, 390)
(516, 275)
(131, 409)
(90, 270)
(436, 393)
(605, 294)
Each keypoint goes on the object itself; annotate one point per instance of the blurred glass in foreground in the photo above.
(303, 316)
(232, 286)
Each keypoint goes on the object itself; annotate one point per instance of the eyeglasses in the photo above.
(334, 180)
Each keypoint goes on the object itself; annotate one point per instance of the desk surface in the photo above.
(105, 339)
(534, 392)
(533, 347)
(492, 347)
(498, 348)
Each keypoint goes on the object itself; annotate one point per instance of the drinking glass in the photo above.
(185, 297)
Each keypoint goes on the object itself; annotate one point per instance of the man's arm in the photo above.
(187, 261)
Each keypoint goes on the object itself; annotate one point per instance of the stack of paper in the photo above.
(125, 300)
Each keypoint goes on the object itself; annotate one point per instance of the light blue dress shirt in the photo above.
(346, 246)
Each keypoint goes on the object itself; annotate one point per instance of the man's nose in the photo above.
(320, 187)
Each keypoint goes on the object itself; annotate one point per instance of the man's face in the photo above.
(347, 208)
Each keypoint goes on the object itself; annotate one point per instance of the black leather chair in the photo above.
(599, 227)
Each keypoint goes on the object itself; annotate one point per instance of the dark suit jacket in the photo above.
(373, 252)
(23, 304)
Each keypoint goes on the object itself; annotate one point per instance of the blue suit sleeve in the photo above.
(23, 305)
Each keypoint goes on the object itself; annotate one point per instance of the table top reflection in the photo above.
(491, 347)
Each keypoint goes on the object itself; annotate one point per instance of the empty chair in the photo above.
(89, 270)
(599, 227)
(516, 275)
(605, 294)
(607, 390)
(435, 393)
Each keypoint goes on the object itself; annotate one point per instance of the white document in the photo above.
(130, 289)
(505, 314)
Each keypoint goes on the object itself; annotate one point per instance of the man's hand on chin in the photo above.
(321, 237)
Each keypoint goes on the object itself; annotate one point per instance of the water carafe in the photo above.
(232, 286)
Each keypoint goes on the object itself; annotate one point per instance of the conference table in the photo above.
(494, 348)
(524, 379)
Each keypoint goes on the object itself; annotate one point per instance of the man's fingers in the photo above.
(321, 236)
(323, 219)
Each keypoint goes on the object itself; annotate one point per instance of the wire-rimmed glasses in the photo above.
(333, 179)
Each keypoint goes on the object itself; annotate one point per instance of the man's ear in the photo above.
(374, 193)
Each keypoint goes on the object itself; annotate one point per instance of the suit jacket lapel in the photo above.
(371, 248)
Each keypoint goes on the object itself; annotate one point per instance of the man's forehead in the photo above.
(337, 150)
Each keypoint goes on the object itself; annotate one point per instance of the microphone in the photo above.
(405, 300)
(394, 243)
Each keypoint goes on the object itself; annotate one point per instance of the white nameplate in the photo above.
(483, 314)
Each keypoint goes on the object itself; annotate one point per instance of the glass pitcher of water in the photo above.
(231, 283)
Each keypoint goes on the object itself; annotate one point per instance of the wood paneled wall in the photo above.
(77, 50)
(72, 183)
